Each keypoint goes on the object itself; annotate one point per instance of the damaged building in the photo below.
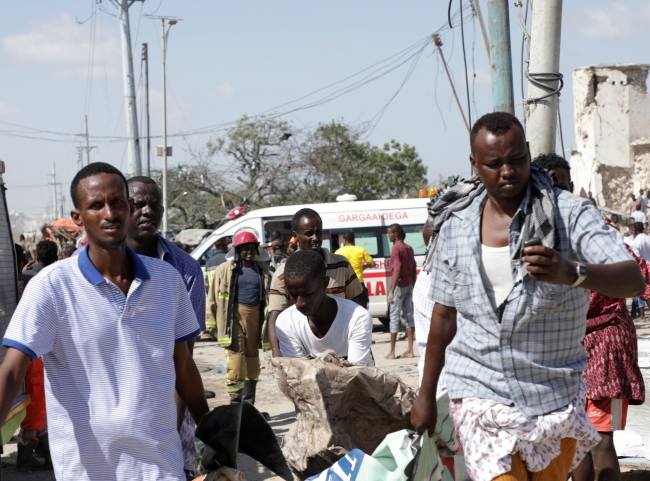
(612, 133)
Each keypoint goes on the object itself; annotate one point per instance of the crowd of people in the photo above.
(519, 314)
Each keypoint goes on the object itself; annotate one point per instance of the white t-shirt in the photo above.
(639, 216)
(349, 336)
(641, 246)
(496, 273)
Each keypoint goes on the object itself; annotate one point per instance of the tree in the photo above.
(334, 161)
(267, 162)
(249, 166)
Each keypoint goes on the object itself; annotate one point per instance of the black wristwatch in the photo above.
(582, 272)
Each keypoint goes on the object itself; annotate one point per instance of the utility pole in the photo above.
(56, 203)
(544, 78)
(133, 137)
(87, 140)
(438, 42)
(56, 211)
(165, 34)
(80, 157)
(503, 99)
(165, 151)
(145, 59)
(87, 148)
(482, 30)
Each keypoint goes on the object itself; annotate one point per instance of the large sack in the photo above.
(233, 428)
(339, 407)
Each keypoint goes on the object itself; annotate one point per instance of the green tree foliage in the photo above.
(259, 164)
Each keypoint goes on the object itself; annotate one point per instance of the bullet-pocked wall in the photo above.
(612, 130)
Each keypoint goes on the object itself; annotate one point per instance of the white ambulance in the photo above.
(369, 220)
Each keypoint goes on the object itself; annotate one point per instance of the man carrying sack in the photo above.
(512, 262)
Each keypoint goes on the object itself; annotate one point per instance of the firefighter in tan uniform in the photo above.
(343, 282)
(237, 299)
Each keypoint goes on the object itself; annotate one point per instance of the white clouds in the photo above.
(613, 20)
(8, 110)
(226, 91)
(61, 45)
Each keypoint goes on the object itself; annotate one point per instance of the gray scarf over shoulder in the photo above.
(539, 210)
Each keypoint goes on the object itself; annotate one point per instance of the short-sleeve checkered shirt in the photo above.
(533, 359)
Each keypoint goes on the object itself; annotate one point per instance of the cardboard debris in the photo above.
(339, 407)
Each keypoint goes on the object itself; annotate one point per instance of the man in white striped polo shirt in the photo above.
(111, 327)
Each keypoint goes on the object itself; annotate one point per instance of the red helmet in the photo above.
(245, 236)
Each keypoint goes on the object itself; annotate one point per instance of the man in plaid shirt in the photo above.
(513, 263)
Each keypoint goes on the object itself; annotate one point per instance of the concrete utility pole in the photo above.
(87, 140)
(56, 203)
(80, 157)
(57, 209)
(145, 60)
(481, 27)
(133, 137)
(165, 34)
(503, 98)
(87, 148)
(544, 76)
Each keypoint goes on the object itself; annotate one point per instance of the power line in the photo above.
(91, 63)
(435, 94)
(476, 20)
(379, 115)
(524, 34)
(156, 10)
(462, 36)
(367, 75)
(33, 186)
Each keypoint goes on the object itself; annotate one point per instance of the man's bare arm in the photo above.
(273, 337)
(12, 374)
(620, 280)
(443, 329)
(189, 385)
(394, 280)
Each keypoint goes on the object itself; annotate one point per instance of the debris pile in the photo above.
(339, 407)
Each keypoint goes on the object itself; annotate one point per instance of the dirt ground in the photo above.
(208, 356)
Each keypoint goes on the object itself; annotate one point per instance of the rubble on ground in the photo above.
(339, 407)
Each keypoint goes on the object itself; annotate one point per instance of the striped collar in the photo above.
(93, 276)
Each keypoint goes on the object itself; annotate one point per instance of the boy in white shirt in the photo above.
(317, 322)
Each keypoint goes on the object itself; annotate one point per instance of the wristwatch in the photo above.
(582, 272)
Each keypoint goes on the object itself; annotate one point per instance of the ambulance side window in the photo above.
(413, 238)
(327, 242)
(366, 237)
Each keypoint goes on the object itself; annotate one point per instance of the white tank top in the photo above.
(496, 273)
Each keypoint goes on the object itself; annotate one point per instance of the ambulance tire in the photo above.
(385, 322)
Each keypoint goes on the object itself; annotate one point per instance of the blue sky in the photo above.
(226, 59)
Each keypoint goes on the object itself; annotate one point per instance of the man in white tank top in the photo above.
(509, 252)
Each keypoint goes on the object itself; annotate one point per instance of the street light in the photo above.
(165, 33)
